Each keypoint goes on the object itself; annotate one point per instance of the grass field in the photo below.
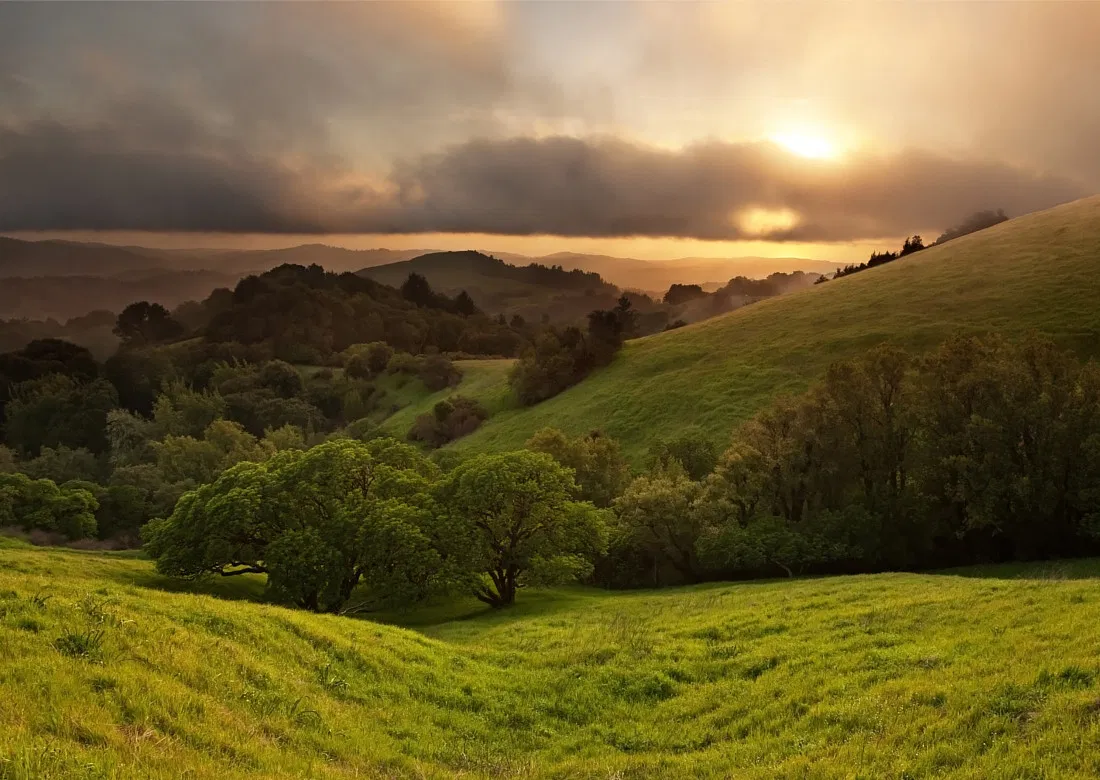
(483, 380)
(1038, 272)
(993, 673)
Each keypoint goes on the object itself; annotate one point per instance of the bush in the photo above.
(403, 363)
(365, 361)
(450, 419)
(437, 372)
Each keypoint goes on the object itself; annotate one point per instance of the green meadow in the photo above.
(111, 671)
(1039, 272)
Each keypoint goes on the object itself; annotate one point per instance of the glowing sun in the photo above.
(805, 145)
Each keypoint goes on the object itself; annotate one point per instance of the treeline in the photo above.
(150, 423)
(911, 245)
(978, 221)
(980, 451)
(972, 224)
(92, 330)
(560, 358)
(190, 393)
(308, 315)
(690, 303)
(350, 526)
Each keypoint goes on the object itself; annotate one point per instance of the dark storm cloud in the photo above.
(108, 179)
(610, 187)
(54, 177)
(326, 118)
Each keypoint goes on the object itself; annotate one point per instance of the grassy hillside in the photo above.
(1037, 272)
(108, 673)
(483, 380)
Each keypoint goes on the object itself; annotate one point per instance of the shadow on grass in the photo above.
(1067, 569)
(243, 588)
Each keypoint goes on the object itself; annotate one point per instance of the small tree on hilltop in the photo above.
(146, 323)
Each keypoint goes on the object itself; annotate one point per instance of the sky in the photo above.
(650, 129)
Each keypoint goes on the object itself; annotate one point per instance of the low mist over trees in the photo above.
(972, 224)
(911, 245)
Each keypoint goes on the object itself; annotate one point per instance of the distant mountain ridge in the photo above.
(111, 276)
(55, 257)
(530, 290)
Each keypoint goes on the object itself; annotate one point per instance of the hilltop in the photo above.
(659, 275)
(1037, 272)
(108, 672)
(503, 288)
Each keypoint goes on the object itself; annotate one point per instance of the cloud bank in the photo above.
(523, 119)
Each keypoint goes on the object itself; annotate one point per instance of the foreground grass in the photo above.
(978, 674)
(1038, 272)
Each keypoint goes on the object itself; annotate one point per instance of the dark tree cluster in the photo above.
(978, 221)
(689, 302)
(911, 245)
(450, 419)
(561, 358)
(682, 293)
(307, 315)
(154, 421)
(353, 525)
(981, 451)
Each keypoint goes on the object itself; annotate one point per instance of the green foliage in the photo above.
(561, 358)
(979, 450)
(286, 437)
(660, 514)
(365, 361)
(319, 523)
(695, 451)
(597, 463)
(518, 520)
(39, 504)
(63, 464)
(58, 410)
(128, 438)
(449, 419)
(306, 315)
(197, 461)
(182, 411)
(438, 372)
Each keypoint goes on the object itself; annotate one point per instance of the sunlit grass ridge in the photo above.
(993, 674)
(1037, 272)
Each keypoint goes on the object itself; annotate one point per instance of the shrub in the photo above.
(437, 372)
(450, 419)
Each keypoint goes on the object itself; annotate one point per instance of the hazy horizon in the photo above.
(649, 130)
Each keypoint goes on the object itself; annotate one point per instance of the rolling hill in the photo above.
(486, 277)
(110, 671)
(1037, 272)
(656, 276)
(499, 287)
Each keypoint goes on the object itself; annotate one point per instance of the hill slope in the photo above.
(658, 275)
(1037, 272)
(106, 673)
(501, 288)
